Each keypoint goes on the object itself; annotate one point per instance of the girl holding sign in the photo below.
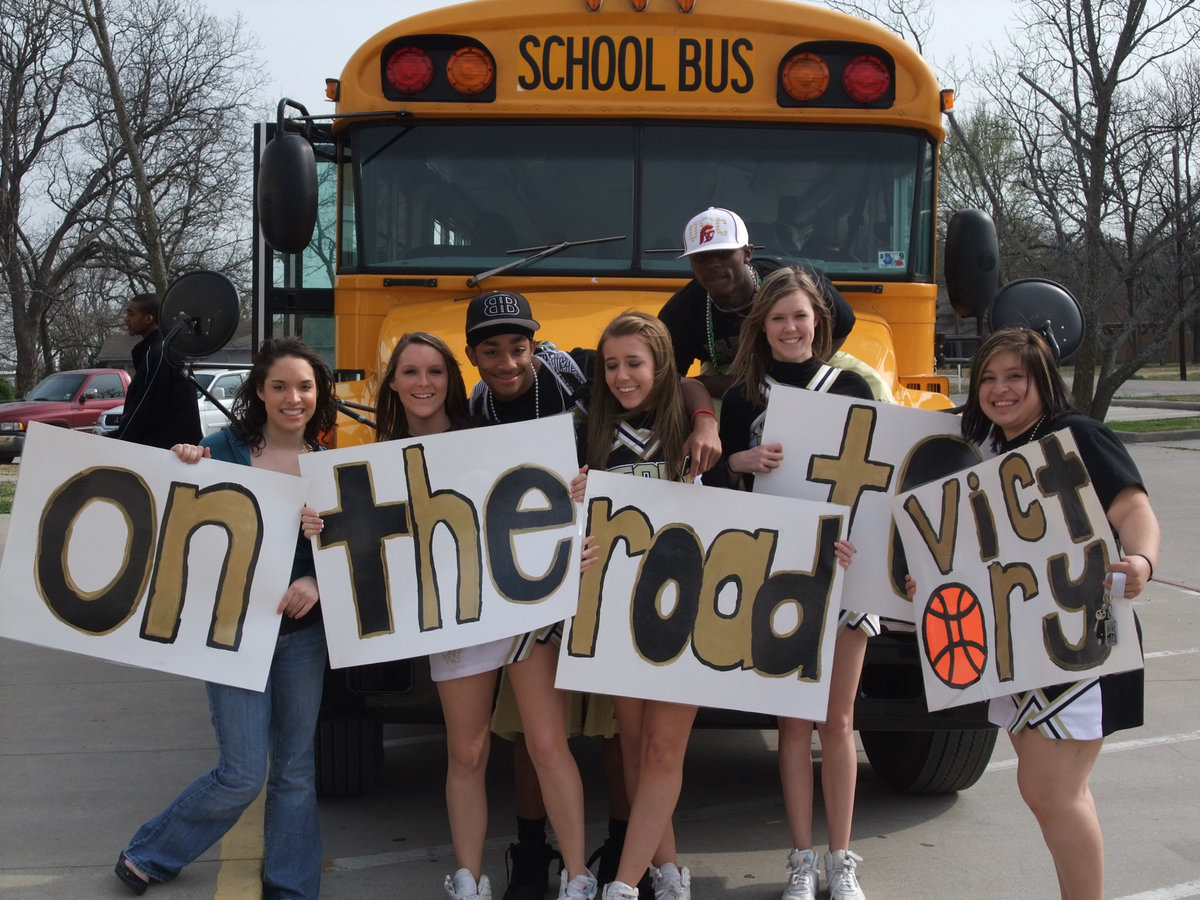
(424, 394)
(1017, 396)
(786, 338)
(284, 404)
(639, 426)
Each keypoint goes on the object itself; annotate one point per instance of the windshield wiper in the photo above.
(536, 253)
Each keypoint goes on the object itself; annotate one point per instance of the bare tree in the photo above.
(1077, 87)
(911, 19)
(39, 245)
(124, 132)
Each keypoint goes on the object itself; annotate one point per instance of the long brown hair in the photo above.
(391, 421)
(1036, 357)
(249, 411)
(665, 400)
(753, 357)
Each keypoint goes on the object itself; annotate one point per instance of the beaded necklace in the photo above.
(537, 401)
(1033, 434)
(708, 318)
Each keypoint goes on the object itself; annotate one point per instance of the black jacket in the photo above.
(160, 406)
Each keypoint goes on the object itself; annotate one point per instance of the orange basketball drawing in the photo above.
(955, 635)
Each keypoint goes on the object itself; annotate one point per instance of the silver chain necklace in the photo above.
(537, 400)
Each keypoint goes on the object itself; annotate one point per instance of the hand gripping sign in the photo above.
(123, 552)
(436, 543)
(860, 454)
(706, 596)
(1009, 557)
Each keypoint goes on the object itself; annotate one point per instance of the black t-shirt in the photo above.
(1108, 463)
(686, 317)
(741, 422)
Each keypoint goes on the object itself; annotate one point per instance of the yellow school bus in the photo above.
(558, 148)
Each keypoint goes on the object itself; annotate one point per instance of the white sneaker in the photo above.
(839, 872)
(461, 886)
(671, 882)
(619, 890)
(803, 877)
(581, 887)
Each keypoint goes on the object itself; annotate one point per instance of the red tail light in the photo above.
(410, 70)
(866, 79)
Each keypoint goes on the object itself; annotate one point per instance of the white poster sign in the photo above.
(859, 454)
(706, 596)
(1009, 557)
(123, 552)
(446, 541)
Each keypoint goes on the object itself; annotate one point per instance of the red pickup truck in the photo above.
(71, 399)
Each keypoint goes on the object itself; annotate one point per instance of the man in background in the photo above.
(160, 406)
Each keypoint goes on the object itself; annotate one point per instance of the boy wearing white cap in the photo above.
(705, 315)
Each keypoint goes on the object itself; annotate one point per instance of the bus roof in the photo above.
(721, 61)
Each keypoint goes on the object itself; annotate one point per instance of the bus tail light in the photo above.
(438, 68)
(836, 75)
(409, 70)
(866, 79)
(805, 76)
(470, 70)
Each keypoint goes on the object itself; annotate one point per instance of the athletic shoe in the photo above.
(461, 886)
(619, 890)
(803, 876)
(839, 872)
(528, 864)
(581, 887)
(671, 882)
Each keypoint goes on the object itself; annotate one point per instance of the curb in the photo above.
(1157, 403)
(1151, 437)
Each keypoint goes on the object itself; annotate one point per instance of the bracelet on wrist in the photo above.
(1148, 563)
(707, 412)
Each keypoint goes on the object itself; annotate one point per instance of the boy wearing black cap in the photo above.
(519, 379)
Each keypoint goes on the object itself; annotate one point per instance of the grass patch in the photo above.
(7, 489)
(1149, 425)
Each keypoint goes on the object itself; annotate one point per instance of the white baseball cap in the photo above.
(714, 229)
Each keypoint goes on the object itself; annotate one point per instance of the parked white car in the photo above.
(221, 383)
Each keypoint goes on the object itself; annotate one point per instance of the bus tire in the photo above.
(929, 762)
(348, 757)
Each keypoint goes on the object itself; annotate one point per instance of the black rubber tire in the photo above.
(348, 757)
(929, 762)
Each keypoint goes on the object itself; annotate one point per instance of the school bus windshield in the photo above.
(454, 197)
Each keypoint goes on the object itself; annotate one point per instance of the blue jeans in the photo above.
(279, 723)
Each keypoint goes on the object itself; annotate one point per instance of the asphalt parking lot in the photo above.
(88, 750)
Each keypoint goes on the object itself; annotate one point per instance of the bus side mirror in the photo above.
(972, 261)
(1043, 305)
(287, 188)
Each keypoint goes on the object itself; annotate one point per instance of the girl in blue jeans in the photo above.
(280, 410)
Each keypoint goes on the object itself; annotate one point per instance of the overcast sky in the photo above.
(305, 41)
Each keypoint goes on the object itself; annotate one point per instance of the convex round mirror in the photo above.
(206, 304)
(1043, 305)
